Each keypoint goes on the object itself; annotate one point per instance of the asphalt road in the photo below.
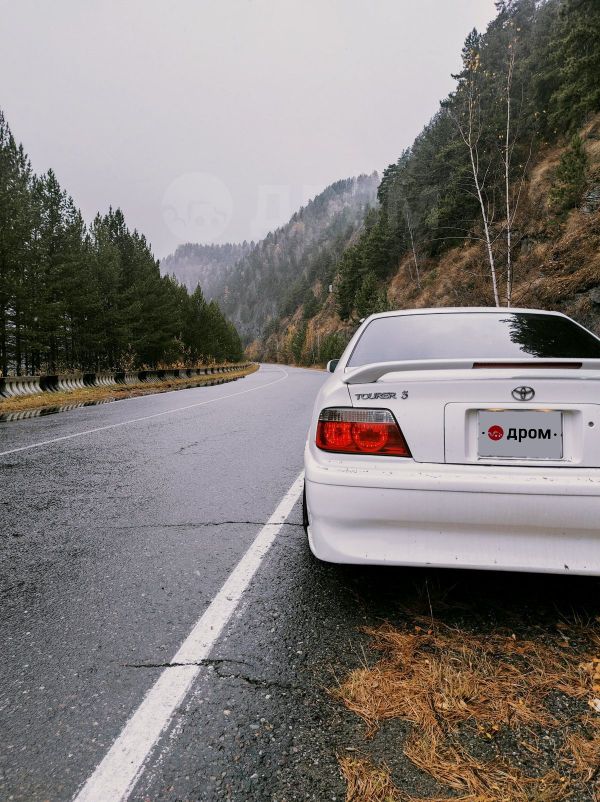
(116, 541)
(113, 544)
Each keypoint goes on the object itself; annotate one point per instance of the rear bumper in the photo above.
(513, 519)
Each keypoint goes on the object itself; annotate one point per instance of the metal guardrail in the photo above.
(14, 386)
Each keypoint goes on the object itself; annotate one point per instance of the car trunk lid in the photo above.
(447, 409)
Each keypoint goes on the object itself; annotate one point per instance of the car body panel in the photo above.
(443, 527)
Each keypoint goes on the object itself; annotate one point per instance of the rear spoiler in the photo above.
(366, 374)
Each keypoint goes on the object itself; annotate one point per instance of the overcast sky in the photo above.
(213, 120)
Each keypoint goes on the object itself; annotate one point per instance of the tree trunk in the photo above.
(3, 344)
(509, 268)
(471, 141)
(488, 241)
(18, 353)
(412, 245)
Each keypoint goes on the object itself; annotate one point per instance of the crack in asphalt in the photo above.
(208, 661)
(200, 524)
(217, 663)
(184, 448)
(261, 683)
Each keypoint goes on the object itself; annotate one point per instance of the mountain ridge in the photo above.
(285, 268)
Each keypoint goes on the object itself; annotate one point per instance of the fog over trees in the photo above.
(195, 263)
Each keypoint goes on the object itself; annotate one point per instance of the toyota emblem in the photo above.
(523, 393)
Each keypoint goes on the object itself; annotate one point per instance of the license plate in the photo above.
(520, 434)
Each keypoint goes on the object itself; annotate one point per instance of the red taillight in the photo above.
(337, 435)
(371, 437)
(360, 431)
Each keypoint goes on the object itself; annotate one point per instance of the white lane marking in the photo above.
(115, 776)
(137, 420)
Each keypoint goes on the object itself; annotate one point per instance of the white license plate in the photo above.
(520, 434)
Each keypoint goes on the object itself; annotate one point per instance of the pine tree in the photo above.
(298, 341)
(15, 244)
(370, 299)
(570, 179)
(332, 346)
(574, 60)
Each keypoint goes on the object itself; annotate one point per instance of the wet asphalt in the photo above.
(113, 544)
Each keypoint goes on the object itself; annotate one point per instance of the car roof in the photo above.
(449, 310)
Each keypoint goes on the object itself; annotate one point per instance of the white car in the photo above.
(465, 437)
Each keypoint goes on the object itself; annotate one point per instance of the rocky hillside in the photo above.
(556, 266)
(294, 265)
(498, 198)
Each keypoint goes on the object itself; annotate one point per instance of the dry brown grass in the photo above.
(581, 750)
(90, 394)
(477, 780)
(367, 783)
(441, 678)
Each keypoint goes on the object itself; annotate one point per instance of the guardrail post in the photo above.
(49, 384)
(105, 379)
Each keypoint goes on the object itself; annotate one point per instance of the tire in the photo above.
(304, 511)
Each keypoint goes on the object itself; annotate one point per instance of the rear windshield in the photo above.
(477, 335)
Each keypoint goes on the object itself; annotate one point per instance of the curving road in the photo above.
(154, 572)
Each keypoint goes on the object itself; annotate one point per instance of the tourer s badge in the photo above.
(370, 396)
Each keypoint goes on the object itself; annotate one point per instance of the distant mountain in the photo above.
(258, 284)
(207, 265)
(295, 264)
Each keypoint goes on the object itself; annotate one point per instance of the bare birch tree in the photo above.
(507, 159)
(409, 226)
(513, 196)
(470, 132)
